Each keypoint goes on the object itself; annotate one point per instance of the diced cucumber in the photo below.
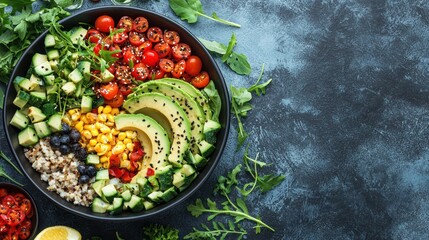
(92, 159)
(86, 104)
(27, 137)
(168, 194)
(210, 129)
(49, 79)
(98, 185)
(22, 83)
(102, 174)
(85, 68)
(109, 192)
(52, 89)
(54, 64)
(145, 187)
(117, 205)
(153, 182)
(21, 99)
(126, 195)
(35, 114)
(69, 88)
(205, 148)
(39, 59)
(133, 187)
(42, 129)
(187, 170)
(165, 177)
(99, 206)
(156, 196)
(49, 40)
(49, 109)
(53, 54)
(136, 203)
(37, 99)
(54, 122)
(75, 76)
(179, 179)
(107, 76)
(77, 34)
(148, 205)
(19, 120)
(43, 69)
(196, 160)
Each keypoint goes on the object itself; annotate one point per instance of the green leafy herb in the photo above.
(215, 102)
(238, 210)
(224, 184)
(259, 88)
(190, 10)
(17, 4)
(160, 232)
(2, 155)
(218, 230)
(236, 61)
(5, 175)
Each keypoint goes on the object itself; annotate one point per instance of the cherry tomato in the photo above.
(136, 38)
(126, 89)
(116, 172)
(109, 90)
(145, 45)
(135, 156)
(97, 49)
(3, 209)
(171, 37)
(126, 177)
(24, 231)
(120, 37)
(201, 80)
(193, 65)
(150, 58)
(154, 34)
(181, 51)
(107, 42)
(93, 35)
(9, 201)
(3, 227)
(3, 192)
(114, 160)
(140, 24)
(129, 55)
(125, 23)
(140, 71)
(150, 172)
(117, 49)
(15, 217)
(179, 69)
(104, 23)
(157, 73)
(166, 64)
(12, 234)
(116, 102)
(123, 74)
(163, 49)
(186, 77)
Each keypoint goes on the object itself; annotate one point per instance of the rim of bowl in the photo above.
(182, 196)
(35, 218)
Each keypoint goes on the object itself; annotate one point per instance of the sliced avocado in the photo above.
(170, 115)
(191, 90)
(152, 134)
(192, 109)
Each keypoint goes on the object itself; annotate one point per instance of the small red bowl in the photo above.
(13, 189)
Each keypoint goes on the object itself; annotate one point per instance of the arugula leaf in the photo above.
(190, 10)
(269, 181)
(259, 88)
(215, 102)
(224, 184)
(213, 46)
(238, 63)
(160, 232)
(231, 46)
(5, 175)
(240, 107)
(218, 230)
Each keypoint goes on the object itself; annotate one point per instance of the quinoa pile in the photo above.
(60, 172)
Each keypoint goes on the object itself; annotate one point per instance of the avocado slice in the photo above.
(169, 115)
(193, 92)
(153, 137)
(193, 110)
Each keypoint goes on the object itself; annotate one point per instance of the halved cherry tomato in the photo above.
(93, 35)
(97, 48)
(117, 49)
(9, 201)
(120, 37)
(179, 69)
(157, 73)
(171, 37)
(144, 46)
(186, 77)
(140, 71)
(116, 102)
(166, 64)
(154, 34)
(19, 197)
(3, 209)
(3, 227)
(140, 24)
(24, 229)
(26, 206)
(193, 65)
(150, 58)
(116, 172)
(136, 38)
(125, 23)
(15, 217)
(104, 23)
(163, 49)
(114, 160)
(150, 172)
(126, 89)
(123, 74)
(109, 90)
(126, 177)
(135, 156)
(181, 51)
(12, 234)
(201, 80)
(129, 55)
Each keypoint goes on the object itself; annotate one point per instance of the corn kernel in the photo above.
(122, 136)
(106, 165)
(100, 109)
(125, 164)
(110, 124)
(118, 149)
(79, 126)
(94, 132)
(115, 131)
(75, 116)
(130, 146)
(115, 111)
(103, 139)
(104, 159)
(110, 118)
(101, 149)
(104, 129)
(107, 109)
(98, 166)
(127, 140)
(93, 142)
(71, 111)
(102, 117)
(124, 156)
(87, 134)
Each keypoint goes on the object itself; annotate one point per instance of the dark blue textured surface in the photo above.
(345, 119)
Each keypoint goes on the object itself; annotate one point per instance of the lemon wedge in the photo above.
(59, 233)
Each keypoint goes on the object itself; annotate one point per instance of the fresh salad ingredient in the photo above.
(218, 230)
(104, 24)
(8, 160)
(190, 10)
(5, 175)
(59, 233)
(236, 61)
(16, 211)
(160, 232)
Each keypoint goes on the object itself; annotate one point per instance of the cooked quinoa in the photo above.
(60, 172)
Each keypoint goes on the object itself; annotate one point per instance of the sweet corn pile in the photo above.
(100, 136)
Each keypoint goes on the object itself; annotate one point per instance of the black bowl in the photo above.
(12, 189)
(155, 19)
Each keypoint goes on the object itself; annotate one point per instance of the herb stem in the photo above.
(10, 162)
(238, 214)
(219, 20)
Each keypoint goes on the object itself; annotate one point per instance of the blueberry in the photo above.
(81, 169)
(64, 149)
(65, 128)
(74, 135)
(83, 179)
(91, 171)
(55, 141)
(75, 147)
(81, 154)
(65, 139)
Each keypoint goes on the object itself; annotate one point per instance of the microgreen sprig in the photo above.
(2, 155)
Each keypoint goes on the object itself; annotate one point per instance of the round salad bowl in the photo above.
(13, 189)
(89, 17)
